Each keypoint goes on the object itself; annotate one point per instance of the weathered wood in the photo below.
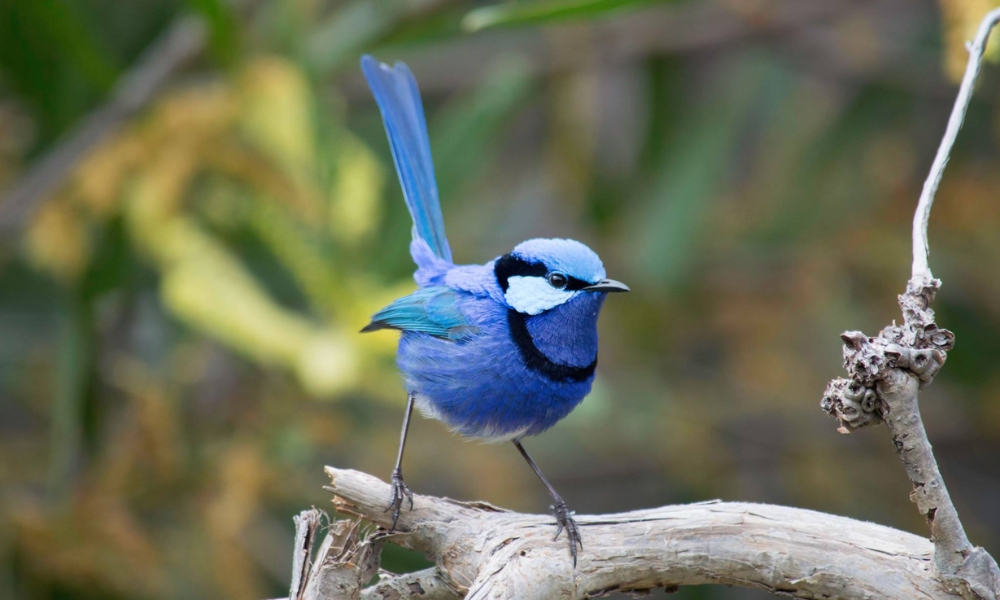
(425, 585)
(886, 372)
(485, 552)
(345, 561)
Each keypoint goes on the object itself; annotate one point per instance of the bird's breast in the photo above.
(537, 360)
(517, 376)
(563, 341)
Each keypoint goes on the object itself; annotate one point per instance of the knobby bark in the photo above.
(886, 372)
(481, 551)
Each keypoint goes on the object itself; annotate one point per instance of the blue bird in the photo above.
(498, 351)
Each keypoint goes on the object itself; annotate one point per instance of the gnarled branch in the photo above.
(485, 552)
(887, 371)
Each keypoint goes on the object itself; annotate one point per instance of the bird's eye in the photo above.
(558, 280)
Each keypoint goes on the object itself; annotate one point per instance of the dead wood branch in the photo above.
(887, 371)
(485, 552)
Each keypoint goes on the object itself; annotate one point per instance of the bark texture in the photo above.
(887, 371)
(484, 552)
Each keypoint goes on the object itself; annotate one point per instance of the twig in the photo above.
(887, 371)
(485, 552)
(184, 40)
(921, 272)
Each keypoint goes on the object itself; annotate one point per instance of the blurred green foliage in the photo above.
(544, 11)
(178, 346)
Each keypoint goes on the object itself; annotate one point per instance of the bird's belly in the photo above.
(481, 387)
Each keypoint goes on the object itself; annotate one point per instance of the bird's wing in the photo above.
(432, 310)
(398, 98)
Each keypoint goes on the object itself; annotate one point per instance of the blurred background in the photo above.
(198, 212)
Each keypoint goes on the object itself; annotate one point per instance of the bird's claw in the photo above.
(400, 491)
(564, 520)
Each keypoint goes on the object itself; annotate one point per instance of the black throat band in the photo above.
(536, 360)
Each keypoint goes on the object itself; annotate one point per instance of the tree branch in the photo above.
(425, 585)
(921, 272)
(899, 391)
(346, 560)
(887, 371)
(484, 552)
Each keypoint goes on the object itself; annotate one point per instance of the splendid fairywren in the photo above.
(498, 351)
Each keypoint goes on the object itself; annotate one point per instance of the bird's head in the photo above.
(541, 274)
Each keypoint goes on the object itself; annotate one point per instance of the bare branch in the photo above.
(306, 524)
(345, 561)
(485, 552)
(899, 390)
(895, 366)
(887, 371)
(921, 272)
(425, 585)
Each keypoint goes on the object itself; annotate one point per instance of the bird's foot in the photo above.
(400, 491)
(564, 519)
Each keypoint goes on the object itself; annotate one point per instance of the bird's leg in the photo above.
(399, 488)
(564, 516)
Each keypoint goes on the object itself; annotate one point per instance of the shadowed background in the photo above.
(182, 282)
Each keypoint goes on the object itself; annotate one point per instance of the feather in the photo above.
(432, 310)
(398, 98)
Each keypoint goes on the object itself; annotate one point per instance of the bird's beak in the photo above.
(607, 285)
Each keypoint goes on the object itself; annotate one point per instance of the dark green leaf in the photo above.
(544, 11)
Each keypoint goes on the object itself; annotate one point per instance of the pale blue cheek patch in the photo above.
(534, 295)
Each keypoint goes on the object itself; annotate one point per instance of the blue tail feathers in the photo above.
(397, 96)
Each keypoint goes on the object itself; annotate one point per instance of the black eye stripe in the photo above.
(508, 266)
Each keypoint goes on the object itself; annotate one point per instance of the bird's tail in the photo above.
(398, 97)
